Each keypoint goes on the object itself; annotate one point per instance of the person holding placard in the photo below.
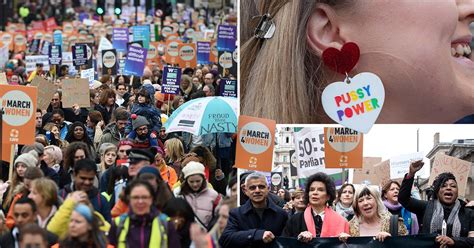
(445, 214)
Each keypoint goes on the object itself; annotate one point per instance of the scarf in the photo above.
(345, 212)
(410, 219)
(333, 223)
(453, 219)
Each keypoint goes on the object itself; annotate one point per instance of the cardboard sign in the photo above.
(19, 108)
(187, 55)
(400, 165)
(203, 52)
(343, 148)
(55, 55)
(460, 169)
(79, 55)
(142, 33)
(356, 105)
(135, 62)
(74, 93)
(46, 90)
(171, 80)
(226, 38)
(32, 60)
(255, 143)
(88, 74)
(372, 172)
(228, 87)
(109, 62)
(172, 51)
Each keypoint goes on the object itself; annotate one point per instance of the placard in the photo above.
(228, 87)
(135, 61)
(226, 38)
(32, 60)
(171, 80)
(172, 51)
(460, 169)
(373, 172)
(227, 65)
(55, 55)
(343, 148)
(34, 46)
(79, 55)
(88, 74)
(89, 54)
(255, 143)
(187, 55)
(19, 41)
(73, 93)
(400, 165)
(203, 52)
(109, 62)
(276, 181)
(46, 90)
(142, 33)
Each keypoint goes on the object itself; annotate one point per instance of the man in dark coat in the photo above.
(256, 223)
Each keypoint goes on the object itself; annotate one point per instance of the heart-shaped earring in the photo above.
(342, 61)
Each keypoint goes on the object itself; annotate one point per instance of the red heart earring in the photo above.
(342, 61)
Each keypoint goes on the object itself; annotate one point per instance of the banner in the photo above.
(46, 90)
(460, 169)
(226, 38)
(418, 241)
(343, 148)
(79, 55)
(203, 52)
(228, 87)
(120, 39)
(142, 33)
(74, 93)
(19, 107)
(32, 60)
(109, 62)
(135, 61)
(255, 143)
(187, 55)
(55, 55)
(400, 165)
(171, 80)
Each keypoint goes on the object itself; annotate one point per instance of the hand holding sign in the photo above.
(415, 166)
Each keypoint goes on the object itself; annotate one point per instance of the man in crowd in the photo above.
(209, 90)
(143, 138)
(258, 221)
(115, 131)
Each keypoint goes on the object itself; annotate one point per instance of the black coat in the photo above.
(8, 241)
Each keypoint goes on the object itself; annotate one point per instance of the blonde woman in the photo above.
(288, 65)
(44, 192)
(174, 152)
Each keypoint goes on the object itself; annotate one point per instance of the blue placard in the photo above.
(135, 61)
(171, 80)
(142, 33)
(228, 87)
(120, 39)
(58, 38)
(226, 38)
(203, 52)
(55, 55)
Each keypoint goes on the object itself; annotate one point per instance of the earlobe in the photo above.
(323, 29)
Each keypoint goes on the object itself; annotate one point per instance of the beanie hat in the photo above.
(85, 211)
(149, 170)
(29, 159)
(193, 168)
(125, 142)
(38, 147)
(139, 121)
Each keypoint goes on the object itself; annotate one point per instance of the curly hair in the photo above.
(328, 183)
(440, 180)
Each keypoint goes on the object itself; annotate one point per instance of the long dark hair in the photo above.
(71, 151)
(70, 134)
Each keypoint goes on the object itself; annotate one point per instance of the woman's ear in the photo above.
(323, 29)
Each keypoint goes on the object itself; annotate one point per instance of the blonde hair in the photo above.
(55, 152)
(266, 79)
(174, 149)
(364, 191)
(48, 189)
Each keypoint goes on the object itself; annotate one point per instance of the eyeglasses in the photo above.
(260, 186)
(138, 198)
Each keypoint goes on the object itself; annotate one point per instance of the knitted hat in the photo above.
(125, 142)
(85, 211)
(30, 159)
(105, 147)
(149, 170)
(139, 121)
(193, 168)
(38, 147)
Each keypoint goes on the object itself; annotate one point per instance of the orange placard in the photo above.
(20, 42)
(255, 143)
(172, 51)
(213, 55)
(7, 39)
(19, 107)
(342, 147)
(6, 153)
(187, 55)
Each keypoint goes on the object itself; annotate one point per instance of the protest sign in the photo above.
(46, 90)
(276, 181)
(7, 39)
(135, 61)
(214, 53)
(226, 38)
(187, 55)
(399, 165)
(142, 33)
(460, 169)
(255, 143)
(171, 80)
(152, 54)
(89, 47)
(55, 55)
(172, 51)
(58, 38)
(73, 93)
(34, 46)
(32, 60)
(109, 62)
(3, 78)
(3, 56)
(105, 44)
(366, 172)
(343, 148)
(89, 75)
(227, 65)
(45, 47)
(203, 52)
(120, 39)
(19, 108)
(228, 87)
(19, 41)
(79, 55)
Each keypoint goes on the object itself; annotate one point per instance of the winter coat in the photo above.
(245, 228)
(97, 200)
(106, 114)
(203, 203)
(110, 134)
(152, 114)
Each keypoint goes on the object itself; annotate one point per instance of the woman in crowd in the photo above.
(94, 127)
(167, 172)
(53, 135)
(214, 175)
(77, 133)
(195, 190)
(52, 157)
(296, 205)
(284, 195)
(345, 198)
(318, 25)
(108, 155)
(107, 104)
(318, 219)
(186, 87)
(177, 102)
(182, 216)
(83, 230)
(390, 193)
(44, 192)
(143, 226)
(74, 152)
(174, 152)
(371, 218)
(445, 207)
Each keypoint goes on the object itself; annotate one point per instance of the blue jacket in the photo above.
(245, 228)
(152, 114)
(97, 200)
